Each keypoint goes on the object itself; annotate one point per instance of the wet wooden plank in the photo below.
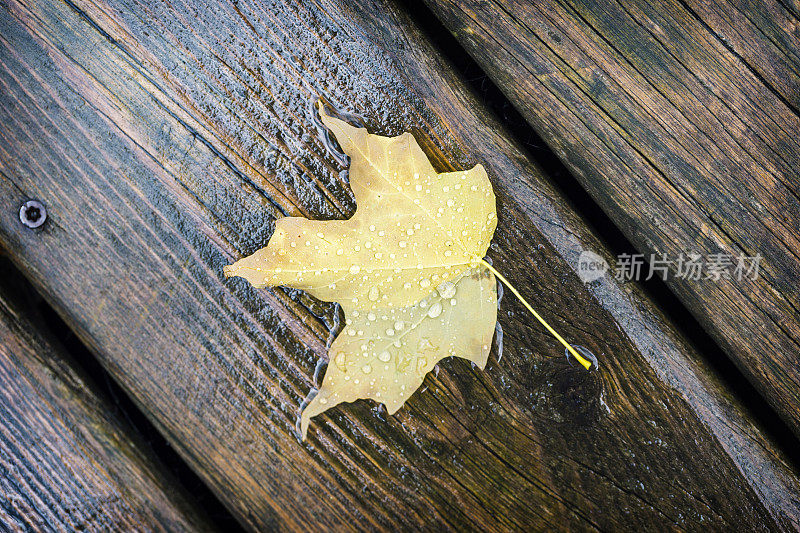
(67, 461)
(166, 138)
(681, 119)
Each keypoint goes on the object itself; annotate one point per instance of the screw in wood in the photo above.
(32, 214)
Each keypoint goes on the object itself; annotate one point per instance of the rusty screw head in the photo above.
(32, 214)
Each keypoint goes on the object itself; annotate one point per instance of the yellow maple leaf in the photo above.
(392, 266)
(407, 269)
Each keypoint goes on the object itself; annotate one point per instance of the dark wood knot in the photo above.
(558, 391)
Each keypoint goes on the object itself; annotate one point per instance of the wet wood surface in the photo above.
(681, 119)
(67, 460)
(166, 138)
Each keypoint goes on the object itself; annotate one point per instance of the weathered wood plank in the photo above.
(165, 138)
(681, 119)
(764, 35)
(67, 462)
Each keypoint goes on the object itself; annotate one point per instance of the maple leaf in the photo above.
(406, 268)
(413, 230)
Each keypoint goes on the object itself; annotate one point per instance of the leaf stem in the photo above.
(581, 359)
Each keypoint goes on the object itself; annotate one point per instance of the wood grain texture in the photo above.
(166, 138)
(67, 462)
(681, 119)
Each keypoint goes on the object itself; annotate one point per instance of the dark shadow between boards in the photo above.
(494, 99)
